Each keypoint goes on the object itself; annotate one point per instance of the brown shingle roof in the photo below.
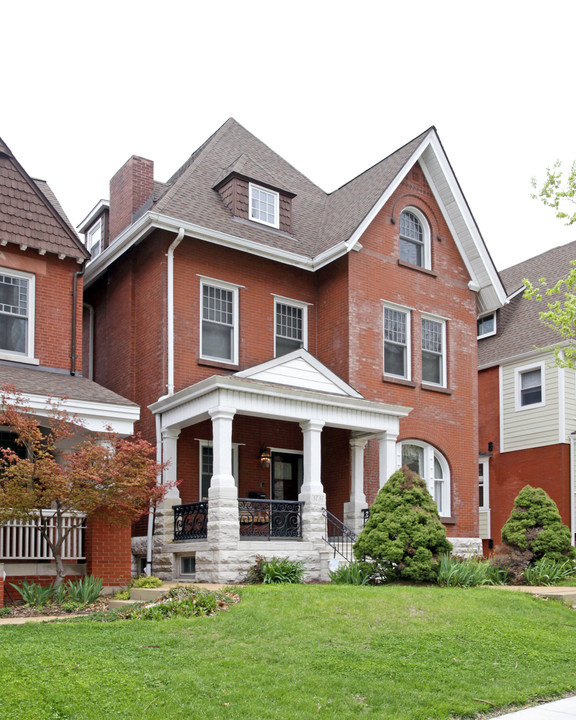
(30, 215)
(519, 327)
(50, 383)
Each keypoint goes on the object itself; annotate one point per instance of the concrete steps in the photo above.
(139, 595)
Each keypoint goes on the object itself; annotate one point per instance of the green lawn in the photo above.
(299, 652)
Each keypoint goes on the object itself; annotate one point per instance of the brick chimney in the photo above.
(130, 192)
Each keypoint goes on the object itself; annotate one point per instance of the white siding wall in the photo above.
(530, 427)
(570, 401)
(484, 524)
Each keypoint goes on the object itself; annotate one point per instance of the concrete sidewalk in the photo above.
(564, 709)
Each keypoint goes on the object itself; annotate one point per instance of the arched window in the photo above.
(432, 467)
(414, 238)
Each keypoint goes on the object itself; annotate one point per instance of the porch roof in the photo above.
(278, 402)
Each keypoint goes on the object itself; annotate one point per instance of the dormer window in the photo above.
(487, 325)
(264, 205)
(94, 238)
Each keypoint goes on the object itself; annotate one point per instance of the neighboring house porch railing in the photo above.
(270, 519)
(339, 536)
(191, 521)
(23, 540)
(365, 515)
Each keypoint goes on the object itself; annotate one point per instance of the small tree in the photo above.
(102, 474)
(403, 536)
(534, 529)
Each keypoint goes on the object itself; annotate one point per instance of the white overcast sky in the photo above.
(331, 86)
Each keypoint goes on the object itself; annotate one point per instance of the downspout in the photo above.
(170, 385)
(74, 314)
(170, 308)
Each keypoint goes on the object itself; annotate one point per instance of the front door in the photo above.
(287, 474)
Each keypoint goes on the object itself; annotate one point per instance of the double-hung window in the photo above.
(290, 320)
(264, 205)
(396, 342)
(414, 238)
(219, 322)
(529, 386)
(207, 466)
(94, 238)
(16, 315)
(434, 351)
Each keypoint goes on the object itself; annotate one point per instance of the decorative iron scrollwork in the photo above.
(191, 521)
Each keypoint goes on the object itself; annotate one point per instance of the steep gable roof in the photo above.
(519, 329)
(30, 215)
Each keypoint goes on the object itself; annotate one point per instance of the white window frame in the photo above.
(492, 332)
(252, 187)
(208, 444)
(430, 453)
(426, 244)
(485, 464)
(28, 356)
(443, 365)
(406, 311)
(518, 373)
(97, 227)
(208, 282)
(278, 300)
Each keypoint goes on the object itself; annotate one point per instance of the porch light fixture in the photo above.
(265, 458)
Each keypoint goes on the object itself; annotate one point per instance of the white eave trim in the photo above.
(92, 215)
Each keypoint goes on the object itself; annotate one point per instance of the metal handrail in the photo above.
(191, 521)
(338, 535)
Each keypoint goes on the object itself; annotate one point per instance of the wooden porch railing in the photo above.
(23, 540)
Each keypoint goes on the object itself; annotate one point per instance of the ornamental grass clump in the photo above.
(471, 571)
(549, 572)
(352, 573)
(403, 537)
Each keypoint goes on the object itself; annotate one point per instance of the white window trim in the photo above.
(426, 245)
(406, 311)
(518, 372)
(485, 462)
(493, 332)
(442, 322)
(90, 234)
(275, 195)
(209, 443)
(430, 453)
(294, 303)
(235, 319)
(27, 357)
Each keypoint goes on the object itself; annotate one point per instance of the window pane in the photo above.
(411, 227)
(395, 360)
(216, 341)
(285, 346)
(438, 494)
(395, 342)
(432, 349)
(207, 464)
(413, 457)
(431, 368)
(410, 252)
(217, 322)
(531, 387)
(486, 325)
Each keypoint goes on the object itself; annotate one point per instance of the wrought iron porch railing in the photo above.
(270, 519)
(339, 536)
(191, 521)
(23, 540)
(365, 516)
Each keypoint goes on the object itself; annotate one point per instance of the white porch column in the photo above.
(170, 455)
(163, 563)
(387, 456)
(353, 509)
(223, 523)
(312, 491)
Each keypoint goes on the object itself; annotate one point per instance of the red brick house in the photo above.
(290, 348)
(41, 275)
(527, 408)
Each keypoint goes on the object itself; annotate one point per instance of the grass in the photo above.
(299, 652)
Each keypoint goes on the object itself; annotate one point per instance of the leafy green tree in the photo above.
(534, 528)
(560, 313)
(403, 537)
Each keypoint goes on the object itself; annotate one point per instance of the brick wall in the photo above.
(108, 551)
(130, 188)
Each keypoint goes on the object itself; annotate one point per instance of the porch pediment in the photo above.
(299, 369)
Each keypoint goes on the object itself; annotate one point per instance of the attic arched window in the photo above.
(414, 238)
(432, 467)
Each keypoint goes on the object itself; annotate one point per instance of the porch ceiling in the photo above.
(277, 402)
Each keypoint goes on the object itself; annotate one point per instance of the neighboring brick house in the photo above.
(291, 346)
(527, 407)
(41, 266)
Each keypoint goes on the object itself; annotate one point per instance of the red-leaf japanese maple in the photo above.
(51, 474)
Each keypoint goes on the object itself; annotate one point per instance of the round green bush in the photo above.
(535, 527)
(403, 536)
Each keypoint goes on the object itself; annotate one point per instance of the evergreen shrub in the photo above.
(403, 536)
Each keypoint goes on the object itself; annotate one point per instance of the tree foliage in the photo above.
(560, 313)
(403, 536)
(534, 528)
(101, 474)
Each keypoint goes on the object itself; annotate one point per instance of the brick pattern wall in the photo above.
(108, 551)
(130, 189)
